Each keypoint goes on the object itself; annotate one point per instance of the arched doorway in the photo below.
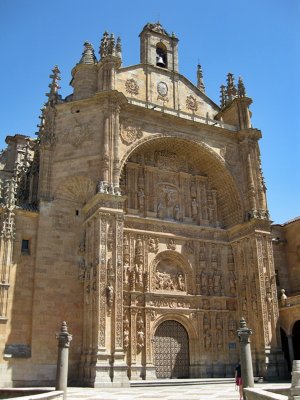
(171, 350)
(296, 340)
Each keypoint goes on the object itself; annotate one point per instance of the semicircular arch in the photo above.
(203, 159)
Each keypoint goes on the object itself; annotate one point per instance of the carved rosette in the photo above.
(130, 132)
(131, 86)
(191, 103)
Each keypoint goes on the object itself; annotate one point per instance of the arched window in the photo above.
(161, 55)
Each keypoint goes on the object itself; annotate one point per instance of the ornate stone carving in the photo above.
(168, 281)
(171, 244)
(189, 247)
(191, 103)
(140, 335)
(153, 245)
(131, 86)
(110, 295)
(130, 131)
(126, 332)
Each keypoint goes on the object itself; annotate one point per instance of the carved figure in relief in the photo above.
(206, 323)
(110, 294)
(141, 199)
(126, 333)
(160, 210)
(171, 245)
(194, 208)
(244, 304)
(202, 260)
(176, 212)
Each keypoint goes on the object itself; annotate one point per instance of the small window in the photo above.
(25, 246)
(77, 212)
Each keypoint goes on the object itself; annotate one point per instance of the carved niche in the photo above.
(169, 276)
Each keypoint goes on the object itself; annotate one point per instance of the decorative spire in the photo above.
(222, 96)
(200, 83)
(53, 95)
(109, 47)
(88, 55)
(241, 88)
(119, 47)
(231, 88)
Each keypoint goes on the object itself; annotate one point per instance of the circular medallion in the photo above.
(162, 89)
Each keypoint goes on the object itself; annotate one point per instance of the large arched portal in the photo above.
(171, 350)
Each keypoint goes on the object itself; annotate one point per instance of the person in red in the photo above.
(238, 379)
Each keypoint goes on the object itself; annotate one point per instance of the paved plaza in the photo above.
(224, 391)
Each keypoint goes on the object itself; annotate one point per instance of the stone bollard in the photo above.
(245, 352)
(295, 387)
(64, 339)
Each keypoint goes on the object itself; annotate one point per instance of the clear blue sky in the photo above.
(257, 39)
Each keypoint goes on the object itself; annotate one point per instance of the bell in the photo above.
(160, 62)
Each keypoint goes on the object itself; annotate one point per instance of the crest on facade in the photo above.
(130, 132)
(162, 90)
(131, 86)
(191, 103)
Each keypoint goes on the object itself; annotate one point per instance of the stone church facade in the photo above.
(139, 216)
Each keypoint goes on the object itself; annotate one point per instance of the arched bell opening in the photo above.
(161, 55)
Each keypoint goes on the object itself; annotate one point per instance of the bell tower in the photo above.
(158, 47)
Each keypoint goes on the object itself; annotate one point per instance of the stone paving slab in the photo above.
(218, 391)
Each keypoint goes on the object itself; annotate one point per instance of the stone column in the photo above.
(291, 349)
(295, 387)
(245, 353)
(64, 340)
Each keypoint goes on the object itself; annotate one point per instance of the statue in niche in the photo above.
(244, 304)
(283, 298)
(254, 304)
(141, 199)
(204, 282)
(110, 295)
(181, 285)
(210, 284)
(202, 260)
(126, 268)
(219, 339)
(207, 341)
(206, 323)
(176, 212)
(140, 338)
(194, 208)
(139, 246)
(217, 283)
(160, 210)
(110, 270)
(232, 283)
(168, 197)
(214, 258)
(139, 273)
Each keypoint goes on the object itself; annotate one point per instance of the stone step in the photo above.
(180, 382)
